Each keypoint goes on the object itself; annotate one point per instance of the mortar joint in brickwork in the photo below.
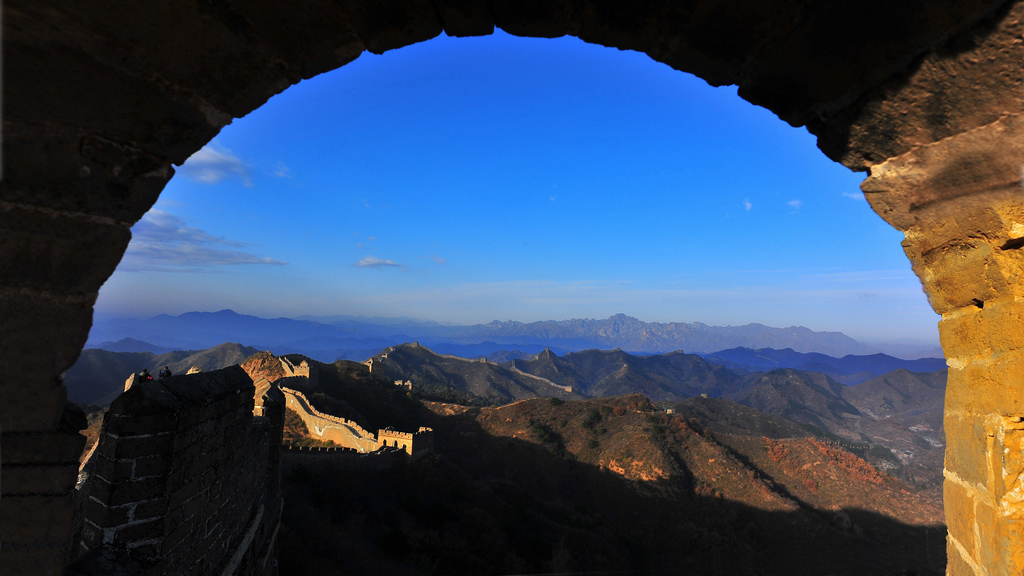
(978, 570)
(977, 491)
(141, 543)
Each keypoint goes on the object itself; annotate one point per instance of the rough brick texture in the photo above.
(186, 480)
(101, 98)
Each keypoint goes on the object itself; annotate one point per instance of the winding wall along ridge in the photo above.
(327, 427)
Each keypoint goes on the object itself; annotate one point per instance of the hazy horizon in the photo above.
(412, 320)
(473, 179)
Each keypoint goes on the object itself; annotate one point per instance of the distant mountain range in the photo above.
(333, 338)
(850, 369)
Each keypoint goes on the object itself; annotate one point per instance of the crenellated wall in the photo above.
(100, 100)
(185, 479)
(334, 458)
(415, 444)
(344, 433)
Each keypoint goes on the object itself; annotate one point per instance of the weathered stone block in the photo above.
(132, 491)
(46, 332)
(200, 502)
(195, 434)
(225, 437)
(112, 470)
(35, 519)
(100, 488)
(147, 550)
(34, 448)
(971, 81)
(177, 517)
(111, 180)
(45, 562)
(956, 565)
(959, 503)
(99, 513)
(962, 277)
(987, 525)
(45, 250)
(139, 532)
(186, 456)
(197, 467)
(57, 479)
(968, 448)
(141, 424)
(162, 120)
(151, 509)
(176, 537)
(189, 490)
(979, 332)
(220, 64)
(153, 466)
(958, 175)
(135, 446)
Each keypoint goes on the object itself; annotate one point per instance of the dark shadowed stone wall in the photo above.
(185, 479)
(101, 98)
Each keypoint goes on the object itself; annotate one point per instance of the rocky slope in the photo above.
(894, 420)
(542, 486)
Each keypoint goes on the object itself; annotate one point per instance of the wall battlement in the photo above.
(415, 444)
(323, 426)
(334, 458)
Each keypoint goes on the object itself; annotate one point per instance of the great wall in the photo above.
(370, 363)
(185, 476)
(101, 100)
(342, 432)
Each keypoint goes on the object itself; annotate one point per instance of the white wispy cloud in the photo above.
(438, 259)
(747, 205)
(163, 242)
(854, 195)
(374, 262)
(281, 170)
(795, 204)
(214, 163)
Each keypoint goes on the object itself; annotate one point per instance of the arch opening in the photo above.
(568, 181)
(97, 105)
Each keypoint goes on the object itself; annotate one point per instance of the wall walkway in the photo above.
(342, 432)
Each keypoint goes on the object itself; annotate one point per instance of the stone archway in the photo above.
(100, 101)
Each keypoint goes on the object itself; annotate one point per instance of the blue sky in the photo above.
(472, 179)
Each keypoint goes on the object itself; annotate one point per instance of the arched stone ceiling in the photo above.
(100, 98)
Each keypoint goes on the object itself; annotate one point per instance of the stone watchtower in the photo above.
(415, 444)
